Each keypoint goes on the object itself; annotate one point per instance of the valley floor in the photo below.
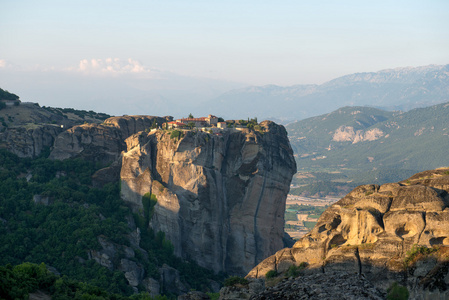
(304, 219)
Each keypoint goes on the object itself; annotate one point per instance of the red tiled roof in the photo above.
(177, 123)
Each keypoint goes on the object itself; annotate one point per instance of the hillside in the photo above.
(393, 89)
(130, 208)
(355, 145)
(51, 213)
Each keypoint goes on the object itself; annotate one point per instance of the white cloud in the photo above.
(110, 66)
(5, 64)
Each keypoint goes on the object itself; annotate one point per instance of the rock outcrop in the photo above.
(28, 129)
(348, 134)
(100, 142)
(129, 125)
(380, 232)
(319, 286)
(29, 140)
(220, 198)
(123, 258)
(94, 142)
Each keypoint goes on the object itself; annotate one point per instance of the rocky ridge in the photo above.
(100, 142)
(28, 129)
(220, 198)
(329, 286)
(393, 232)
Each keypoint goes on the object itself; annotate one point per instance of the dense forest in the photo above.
(50, 213)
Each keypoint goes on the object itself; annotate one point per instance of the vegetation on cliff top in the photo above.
(83, 114)
(5, 95)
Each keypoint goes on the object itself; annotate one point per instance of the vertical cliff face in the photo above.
(29, 141)
(221, 198)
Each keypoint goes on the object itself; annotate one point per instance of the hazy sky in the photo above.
(254, 42)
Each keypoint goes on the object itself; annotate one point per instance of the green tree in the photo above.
(271, 274)
(191, 125)
(191, 116)
(397, 292)
(5, 95)
(233, 280)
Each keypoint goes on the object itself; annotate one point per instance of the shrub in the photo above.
(416, 251)
(294, 271)
(213, 296)
(233, 280)
(175, 134)
(397, 292)
(148, 202)
(271, 274)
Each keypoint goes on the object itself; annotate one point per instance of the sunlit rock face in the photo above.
(221, 198)
(372, 230)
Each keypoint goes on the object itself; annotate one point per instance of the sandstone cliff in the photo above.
(381, 232)
(221, 198)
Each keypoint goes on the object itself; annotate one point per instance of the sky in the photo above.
(214, 45)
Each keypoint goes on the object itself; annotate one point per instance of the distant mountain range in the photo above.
(355, 145)
(393, 89)
(163, 93)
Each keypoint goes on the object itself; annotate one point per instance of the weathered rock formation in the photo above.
(100, 142)
(220, 198)
(93, 142)
(380, 232)
(27, 130)
(318, 286)
(128, 125)
(31, 140)
(347, 134)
